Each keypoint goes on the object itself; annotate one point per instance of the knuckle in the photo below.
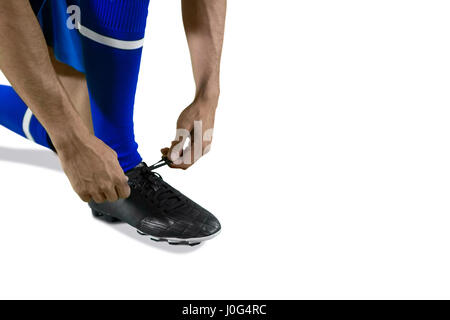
(79, 188)
(121, 179)
(104, 186)
(99, 199)
(113, 198)
(95, 190)
(125, 193)
(104, 189)
(120, 184)
(82, 191)
(84, 197)
(83, 194)
(96, 194)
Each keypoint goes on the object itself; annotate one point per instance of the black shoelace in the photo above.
(152, 186)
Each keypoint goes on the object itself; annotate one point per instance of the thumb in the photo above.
(175, 151)
(165, 152)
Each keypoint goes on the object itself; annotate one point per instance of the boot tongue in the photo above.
(140, 165)
(146, 178)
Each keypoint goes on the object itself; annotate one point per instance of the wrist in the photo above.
(66, 139)
(208, 97)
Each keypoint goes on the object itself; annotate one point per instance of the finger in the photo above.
(185, 161)
(181, 166)
(190, 156)
(207, 147)
(111, 194)
(168, 152)
(98, 197)
(165, 152)
(206, 150)
(176, 149)
(175, 152)
(84, 196)
(123, 190)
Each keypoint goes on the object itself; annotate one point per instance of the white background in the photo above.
(330, 169)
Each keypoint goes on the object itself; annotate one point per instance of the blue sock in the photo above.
(112, 49)
(16, 116)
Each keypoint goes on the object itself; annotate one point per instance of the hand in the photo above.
(93, 169)
(195, 128)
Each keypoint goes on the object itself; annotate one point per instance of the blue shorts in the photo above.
(98, 20)
(53, 16)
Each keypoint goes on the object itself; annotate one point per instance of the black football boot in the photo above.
(158, 210)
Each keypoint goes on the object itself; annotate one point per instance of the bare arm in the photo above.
(204, 22)
(25, 61)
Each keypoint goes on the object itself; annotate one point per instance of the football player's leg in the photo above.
(15, 115)
(112, 38)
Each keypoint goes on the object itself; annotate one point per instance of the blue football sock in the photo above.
(16, 116)
(112, 49)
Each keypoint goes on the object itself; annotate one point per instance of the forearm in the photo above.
(204, 22)
(25, 61)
